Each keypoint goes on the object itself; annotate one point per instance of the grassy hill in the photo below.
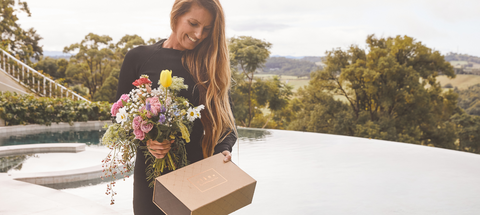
(288, 66)
(295, 81)
(296, 72)
(461, 81)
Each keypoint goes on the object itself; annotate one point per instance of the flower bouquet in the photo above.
(149, 114)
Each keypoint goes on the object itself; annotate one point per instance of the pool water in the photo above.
(89, 137)
(312, 173)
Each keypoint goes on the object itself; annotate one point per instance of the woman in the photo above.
(197, 51)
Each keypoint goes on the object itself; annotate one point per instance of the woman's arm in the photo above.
(128, 73)
(229, 141)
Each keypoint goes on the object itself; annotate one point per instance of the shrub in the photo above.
(448, 86)
(18, 109)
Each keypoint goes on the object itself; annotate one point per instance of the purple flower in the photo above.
(143, 109)
(162, 119)
(149, 106)
(163, 109)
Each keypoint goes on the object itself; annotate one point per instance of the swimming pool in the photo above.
(311, 173)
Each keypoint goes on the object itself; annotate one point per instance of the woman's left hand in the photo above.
(228, 156)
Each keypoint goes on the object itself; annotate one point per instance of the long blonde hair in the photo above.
(209, 64)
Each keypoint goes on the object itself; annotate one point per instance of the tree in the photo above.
(239, 96)
(390, 90)
(62, 65)
(317, 111)
(95, 54)
(249, 54)
(48, 65)
(275, 95)
(109, 88)
(126, 43)
(468, 130)
(469, 99)
(21, 43)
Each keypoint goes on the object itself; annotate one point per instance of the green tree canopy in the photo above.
(390, 90)
(126, 43)
(95, 54)
(469, 99)
(97, 64)
(22, 43)
(248, 54)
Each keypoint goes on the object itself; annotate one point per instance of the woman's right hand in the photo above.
(159, 150)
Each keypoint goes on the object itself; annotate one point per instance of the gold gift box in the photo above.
(207, 187)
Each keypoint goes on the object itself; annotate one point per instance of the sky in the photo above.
(295, 28)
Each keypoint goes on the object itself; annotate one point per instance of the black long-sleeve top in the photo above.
(151, 60)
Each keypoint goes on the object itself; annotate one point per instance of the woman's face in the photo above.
(192, 28)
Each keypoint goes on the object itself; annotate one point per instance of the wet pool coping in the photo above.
(42, 148)
(53, 126)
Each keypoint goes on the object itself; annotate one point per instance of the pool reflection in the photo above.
(89, 137)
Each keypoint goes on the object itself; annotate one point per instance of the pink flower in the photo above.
(139, 134)
(114, 109)
(137, 122)
(149, 89)
(119, 103)
(146, 127)
(143, 109)
(155, 105)
(124, 97)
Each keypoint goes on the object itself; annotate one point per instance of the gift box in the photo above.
(207, 187)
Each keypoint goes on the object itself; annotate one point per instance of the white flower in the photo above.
(197, 114)
(197, 111)
(122, 115)
(191, 115)
(156, 92)
(185, 103)
(200, 107)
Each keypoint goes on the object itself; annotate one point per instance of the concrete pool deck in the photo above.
(21, 198)
(32, 198)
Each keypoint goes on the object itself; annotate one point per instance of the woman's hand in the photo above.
(228, 156)
(159, 150)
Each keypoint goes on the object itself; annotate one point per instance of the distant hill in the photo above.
(461, 57)
(463, 63)
(303, 65)
(298, 66)
(56, 54)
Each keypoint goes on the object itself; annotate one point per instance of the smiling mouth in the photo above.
(191, 39)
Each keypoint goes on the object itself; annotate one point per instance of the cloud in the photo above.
(258, 26)
(300, 27)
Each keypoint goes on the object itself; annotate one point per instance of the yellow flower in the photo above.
(166, 78)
